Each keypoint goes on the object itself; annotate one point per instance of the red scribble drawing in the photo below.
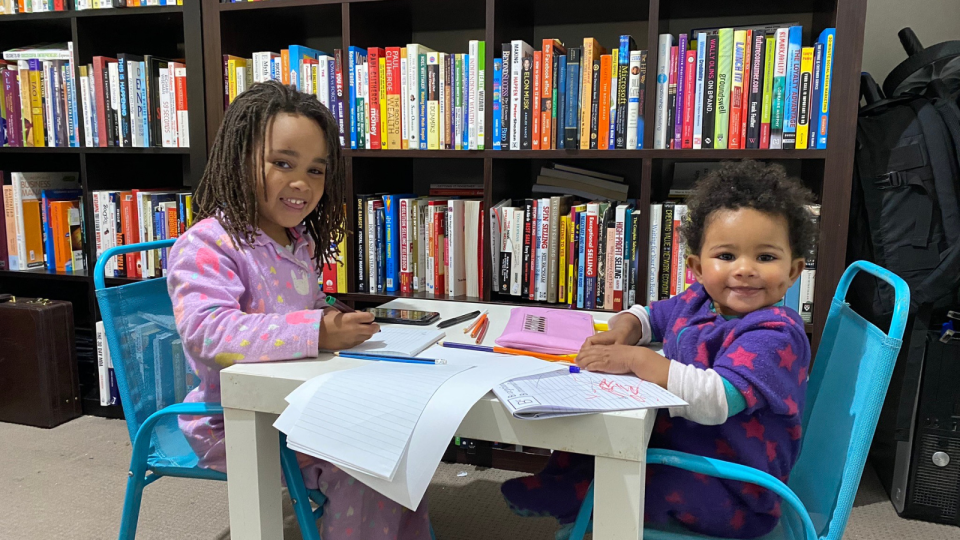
(615, 389)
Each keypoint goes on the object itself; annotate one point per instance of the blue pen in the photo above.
(385, 358)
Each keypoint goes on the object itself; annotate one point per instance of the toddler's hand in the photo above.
(616, 359)
(614, 336)
(339, 331)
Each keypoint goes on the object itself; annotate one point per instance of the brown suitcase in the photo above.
(39, 385)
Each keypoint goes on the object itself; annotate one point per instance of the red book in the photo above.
(672, 142)
(100, 89)
(535, 105)
(745, 100)
(130, 228)
(689, 88)
(329, 277)
(394, 99)
(183, 127)
(373, 66)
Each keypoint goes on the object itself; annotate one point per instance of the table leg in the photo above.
(253, 475)
(618, 499)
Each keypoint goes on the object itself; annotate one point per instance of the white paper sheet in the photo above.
(439, 420)
(561, 393)
(364, 417)
(399, 341)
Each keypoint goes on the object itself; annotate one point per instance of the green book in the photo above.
(765, 113)
(724, 66)
(481, 94)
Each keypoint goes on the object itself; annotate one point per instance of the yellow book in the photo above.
(36, 111)
(402, 118)
(384, 137)
(233, 62)
(562, 281)
(341, 261)
(806, 86)
(189, 210)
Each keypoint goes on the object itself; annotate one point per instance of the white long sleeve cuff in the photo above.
(703, 389)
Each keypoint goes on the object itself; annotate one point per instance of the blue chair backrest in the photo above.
(149, 363)
(845, 392)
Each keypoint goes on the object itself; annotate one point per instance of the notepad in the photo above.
(561, 393)
(363, 418)
(399, 341)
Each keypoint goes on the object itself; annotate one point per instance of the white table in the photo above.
(253, 397)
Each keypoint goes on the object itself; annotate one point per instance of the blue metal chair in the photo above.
(153, 378)
(845, 392)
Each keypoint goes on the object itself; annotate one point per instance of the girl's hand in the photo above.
(624, 359)
(339, 331)
(624, 330)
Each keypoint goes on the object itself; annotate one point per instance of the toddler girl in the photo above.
(243, 280)
(730, 351)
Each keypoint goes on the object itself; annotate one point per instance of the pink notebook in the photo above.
(545, 330)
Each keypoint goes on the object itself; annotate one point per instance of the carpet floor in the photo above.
(68, 483)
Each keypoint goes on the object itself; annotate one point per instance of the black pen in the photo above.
(457, 320)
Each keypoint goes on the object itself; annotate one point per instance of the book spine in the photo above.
(643, 98)
(391, 228)
(803, 111)
(590, 284)
(624, 65)
(681, 91)
(526, 104)
(406, 276)
(528, 239)
(663, 75)
(422, 102)
(618, 244)
(373, 98)
(689, 89)
(474, 52)
(535, 101)
(745, 92)
(710, 92)
(582, 261)
(779, 89)
(433, 101)
(11, 90)
(572, 99)
(404, 120)
(633, 101)
(353, 60)
(497, 105)
(124, 104)
(724, 68)
(413, 96)
(601, 291)
(766, 109)
(481, 96)
(634, 258)
(382, 92)
(591, 130)
(505, 97)
(543, 248)
(559, 101)
(546, 93)
(183, 119)
(666, 250)
(672, 140)
(754, 108)
(338, 90)
(792, 93)
(561, 292)
(736, 89)
(701, 62)
(36, 103)
(827, 37)
(611, 134)
(603, 108)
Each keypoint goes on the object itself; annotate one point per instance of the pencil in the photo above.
(506, 350)
(483, 331)
(385, 358)
(476, 324)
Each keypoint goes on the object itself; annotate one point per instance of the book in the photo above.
(791, 100)
(803, 110)
(710, 92)
(672, 98)
(777, 111)
(572, 105)
(724, 71)
(625, 64)
(591, 131)
(827, 37)
(525, 101)
(603, 112)
(701, 62)
(689, 92)
(398, 341)
(497, 114)
(736, 89)
(755, 93)
(505, 81)
(680, 82)
(27, 228)
(591, 58)
(536, 82)
(519, 52)
(766, 109)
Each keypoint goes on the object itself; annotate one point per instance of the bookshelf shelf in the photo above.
(43, 273)
(135, 151)
(38, 150)
(89, 13)
(272, 4)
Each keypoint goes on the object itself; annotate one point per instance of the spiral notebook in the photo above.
(399, 341)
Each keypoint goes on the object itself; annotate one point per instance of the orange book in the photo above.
(129, 219)
(33, 233)
(591, 52)
(62, 238)
(535, 105)
(173, 223)
(603, 125)
(285, 66)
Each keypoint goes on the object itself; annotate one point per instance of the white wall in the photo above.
(933, 21)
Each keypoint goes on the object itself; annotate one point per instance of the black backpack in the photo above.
(905, 211)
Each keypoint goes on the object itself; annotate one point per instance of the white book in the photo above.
(145, 217)
(405, 112)
(698, 99)
(323, 81)
(98, 229)
(679, 215)
(473, 212)
(103, 376)
(183, 116)
(423, 207)
(29, 187)
(653, 270)
(663, 78)
(113, 72)
(518, 50)
(807, 281)
(87, 112)
(633, 100)
(136, 107)
(620, 221)
(496, 225)
(371, 239)
(167, 121)
(516, 264)
(49, 104)
(543, 248)
(457, 276)
(414, 50)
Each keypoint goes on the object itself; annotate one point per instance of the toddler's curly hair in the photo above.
(750, 184)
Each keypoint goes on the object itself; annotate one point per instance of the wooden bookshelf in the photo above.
(447, 26)
(168, 31)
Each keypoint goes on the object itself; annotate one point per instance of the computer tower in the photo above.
(916, 449)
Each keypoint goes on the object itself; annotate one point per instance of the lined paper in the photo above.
(561, 393)
(399, 341)
(363, 418)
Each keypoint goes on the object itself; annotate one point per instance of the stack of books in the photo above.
(408, 244)
(14, 7)
(577, 97)
(566, 180)
(127, 101)
(306, 69)
(416, 98)
(744, 88)
(43, 222)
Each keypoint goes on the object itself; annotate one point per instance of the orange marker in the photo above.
(476, 324)
(483, 331)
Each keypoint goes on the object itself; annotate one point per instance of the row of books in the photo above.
(410, 244)
(14, 7)
(128, 101)
(577, 97)
(416, 98)
(744, 88)
(43, 222)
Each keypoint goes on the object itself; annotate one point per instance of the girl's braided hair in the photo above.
(228, 188)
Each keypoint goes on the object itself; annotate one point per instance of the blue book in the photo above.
(828, 37)
(581, 258)
(466, 102)
(422, 70)
(160, 233)
(72, 93)
(815, 88)
(124, 101)
(298, 53)
(561, 100)
(791, 101)
(572, 107)
(46, 196)
(355, 57)
(497, 79)
(142, 102)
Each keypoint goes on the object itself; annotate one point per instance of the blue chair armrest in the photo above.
(734, 471)
(98, 280)
(141, 443)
